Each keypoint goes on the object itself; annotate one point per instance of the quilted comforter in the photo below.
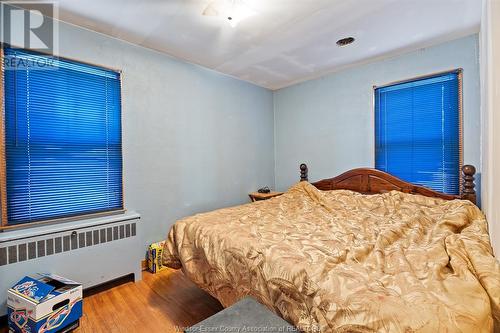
(340, 261)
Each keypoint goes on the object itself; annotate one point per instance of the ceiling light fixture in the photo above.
(234, 11)
(345, 41)
(238, 12)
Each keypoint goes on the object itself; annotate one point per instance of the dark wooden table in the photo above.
(256, 196)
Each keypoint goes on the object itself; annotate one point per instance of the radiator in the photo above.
(91, 252)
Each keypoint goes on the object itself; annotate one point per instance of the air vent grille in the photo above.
(345, 41)
(63, 243)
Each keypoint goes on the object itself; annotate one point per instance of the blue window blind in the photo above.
(417, 131)
(62, 138)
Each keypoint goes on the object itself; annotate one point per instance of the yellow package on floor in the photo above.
(154, 257)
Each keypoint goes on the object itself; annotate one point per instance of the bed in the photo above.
(360, 252)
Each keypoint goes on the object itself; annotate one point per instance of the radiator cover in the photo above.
(90, 252)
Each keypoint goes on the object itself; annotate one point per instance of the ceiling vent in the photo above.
(345, 41)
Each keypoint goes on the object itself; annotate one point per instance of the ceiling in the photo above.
(286, 41)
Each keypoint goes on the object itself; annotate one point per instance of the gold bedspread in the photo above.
(340, 261)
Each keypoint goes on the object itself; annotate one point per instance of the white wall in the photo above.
(490, 110)
(328, 122)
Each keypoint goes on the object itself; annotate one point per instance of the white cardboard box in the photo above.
(43, 304)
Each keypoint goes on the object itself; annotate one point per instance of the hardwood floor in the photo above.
(161, 302)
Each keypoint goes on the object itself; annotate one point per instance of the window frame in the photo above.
(4, 223)
(459, 72)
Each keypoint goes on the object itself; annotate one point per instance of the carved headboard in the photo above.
(372, 181)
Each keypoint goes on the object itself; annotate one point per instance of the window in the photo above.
(62, 139)
(418, 131)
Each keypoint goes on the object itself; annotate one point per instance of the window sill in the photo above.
(15, 234)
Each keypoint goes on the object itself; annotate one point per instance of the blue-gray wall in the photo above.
(329, 122)
(193, 140)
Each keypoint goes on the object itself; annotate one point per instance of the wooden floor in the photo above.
(162, 302)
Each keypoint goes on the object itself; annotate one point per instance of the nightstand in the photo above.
(256, 196)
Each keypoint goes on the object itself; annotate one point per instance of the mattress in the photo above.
(340, 261)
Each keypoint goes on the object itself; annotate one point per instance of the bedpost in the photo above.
(303, 172)
(468, 191)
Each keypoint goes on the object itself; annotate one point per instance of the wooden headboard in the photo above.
(372, 181)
